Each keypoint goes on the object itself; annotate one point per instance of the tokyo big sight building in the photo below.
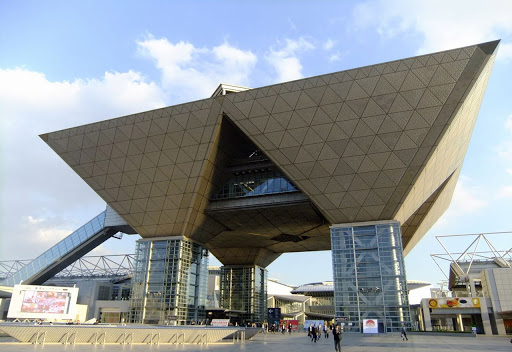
(361, 162)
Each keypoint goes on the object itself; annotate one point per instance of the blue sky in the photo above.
(65, 63)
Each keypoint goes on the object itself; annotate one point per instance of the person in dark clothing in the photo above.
(404, 334)
(313, 334)
(336, 334)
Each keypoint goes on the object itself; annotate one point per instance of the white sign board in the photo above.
(370, 326)
(220, 322)
(43, 302)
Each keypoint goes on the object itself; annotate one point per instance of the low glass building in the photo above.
(169, 282)
(244, 289)
(369, 276)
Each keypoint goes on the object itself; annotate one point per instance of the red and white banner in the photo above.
(220, 322)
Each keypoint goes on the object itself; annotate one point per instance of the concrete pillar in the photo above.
(427, 321)
(421, 327)
(472, 286)
(500, 326)
(485, 317)
(460, 326)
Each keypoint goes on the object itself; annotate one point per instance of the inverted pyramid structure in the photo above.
(374, 143)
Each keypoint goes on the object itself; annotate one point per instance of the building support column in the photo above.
(169, 282)
(500, 325)
(460, 326)
(473, 292)
(243, 288)
(486, 322)
(425, 310)
(369, 275)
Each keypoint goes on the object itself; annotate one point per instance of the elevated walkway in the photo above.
(82, 241)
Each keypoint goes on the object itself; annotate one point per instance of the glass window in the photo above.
(250, 183)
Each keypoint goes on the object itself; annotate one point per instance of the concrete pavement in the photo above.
(298, 342)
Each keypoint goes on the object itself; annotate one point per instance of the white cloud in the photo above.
(505, 192)
(38, 236)
(504, 149)
(285, 59)
(329, 44)
(33, 220)
(190, 73)
(508, 123)
(42, 198)
(467, 199)
(505, 51)
(55, 200)
(28, 98)
(334, 57)
(443, 24)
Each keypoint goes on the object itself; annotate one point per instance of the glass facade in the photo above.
(244, 288)
(169, 282)
(64, 247)
(369, 276)
(255, 182)
(288, 306)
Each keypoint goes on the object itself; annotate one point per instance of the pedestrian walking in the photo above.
(336, 334)
(313, 333)
(404, 334)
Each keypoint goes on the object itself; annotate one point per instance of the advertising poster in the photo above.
(455, 302)
(286, 323)
(370, 326)
(220, 322)
(43, 302)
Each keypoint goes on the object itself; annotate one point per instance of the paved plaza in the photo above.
(299, 342)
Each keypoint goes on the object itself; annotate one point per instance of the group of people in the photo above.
(315, 333)
(282, 328)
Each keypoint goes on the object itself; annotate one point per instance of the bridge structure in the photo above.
(114, 267)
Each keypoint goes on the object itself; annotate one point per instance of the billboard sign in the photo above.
(286, 324)
(43, 302)
(454, 302)
(274, 315)
(220, 322)
(370, 326)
